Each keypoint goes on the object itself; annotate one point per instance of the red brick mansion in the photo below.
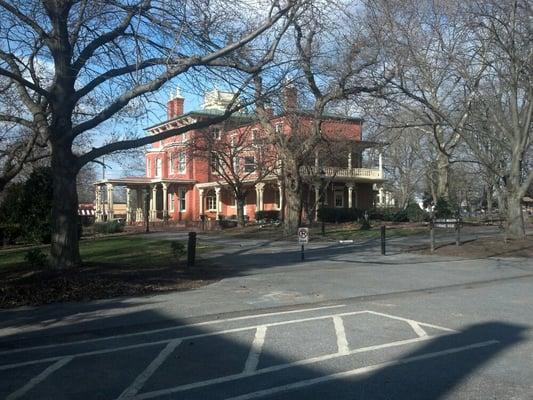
(181, 185)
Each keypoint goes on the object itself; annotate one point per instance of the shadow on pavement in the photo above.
(428, 370)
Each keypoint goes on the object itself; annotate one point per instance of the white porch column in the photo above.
(380, 165)
(201, 208)
(110, 210)
(97, 210)
(259, 190)
(380, 196)
(165, 200)
(139, 205)
(153, 203)
(128, 206)
(350, 160)
(280, 188)
(350, 194)
(318, 203)
(218, 206)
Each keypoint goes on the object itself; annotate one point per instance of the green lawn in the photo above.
(355, 233)
(121, 251)
(333, 232)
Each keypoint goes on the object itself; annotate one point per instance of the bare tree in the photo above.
(19, 144)
(500, 131)
(430, 57)
(238, 157)
(103, 59)
(335, 57)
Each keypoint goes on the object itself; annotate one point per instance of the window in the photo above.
(214, 162)
(211, 201)
(279, 127)
(182, 193)
(170, 163)
(236, 162)
(339, 199)
(148, 168)
(249, 164)
(158, 167)
(171, 201)
(182, 162)
(217, 133)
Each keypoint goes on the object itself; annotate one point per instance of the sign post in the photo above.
(303, 239)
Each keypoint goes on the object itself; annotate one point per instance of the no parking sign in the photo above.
(303, 235)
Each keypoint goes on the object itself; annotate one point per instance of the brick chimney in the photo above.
(175, 104)
(290, 98)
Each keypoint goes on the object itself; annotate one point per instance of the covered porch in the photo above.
(154, 198)
(216, 199)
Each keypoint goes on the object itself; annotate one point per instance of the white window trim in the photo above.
(207, 200)
(182, 199)
(253, 164)
(158, 167)
(182, 162)
(171, 201)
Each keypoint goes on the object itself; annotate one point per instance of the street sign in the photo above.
(303, 235)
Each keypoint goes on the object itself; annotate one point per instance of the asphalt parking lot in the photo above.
(348, 326)
(252, 356)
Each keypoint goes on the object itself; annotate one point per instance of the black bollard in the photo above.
(432, 234)
(191, 249)
(383, 239)
(302, 253)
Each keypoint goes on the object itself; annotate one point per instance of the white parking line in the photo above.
(255, 351)
(342, 342)
(178, 327)
(417, 328)
(274, 368)
(146, 344)
(38, 379)
(410, 320)
(250, 369)
(139, 382)
(358, 371)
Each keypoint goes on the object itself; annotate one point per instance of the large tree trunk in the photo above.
(65, 249)
(515, 220)
(489, 199)
(293, 195)
(443, 172)
(294, 207)
(240, 210)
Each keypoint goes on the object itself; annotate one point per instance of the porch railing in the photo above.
(368, 173)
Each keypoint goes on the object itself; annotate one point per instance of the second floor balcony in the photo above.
(339, 173)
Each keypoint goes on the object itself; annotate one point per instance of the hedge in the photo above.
(108, 227)
(339, 215)
(270, 215)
